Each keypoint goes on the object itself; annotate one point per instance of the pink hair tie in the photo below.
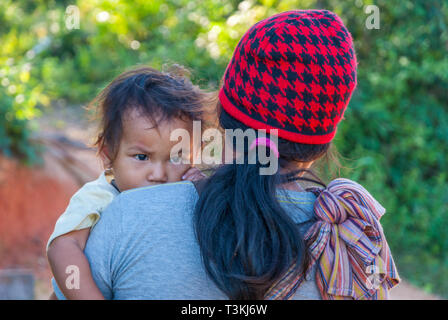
(265, 142)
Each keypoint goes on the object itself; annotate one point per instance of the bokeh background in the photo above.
(394, 139)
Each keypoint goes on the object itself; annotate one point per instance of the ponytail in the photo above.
(247, 240)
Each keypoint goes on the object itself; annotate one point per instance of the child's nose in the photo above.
(158, 174)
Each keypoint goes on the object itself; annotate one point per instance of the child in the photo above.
(138, 111)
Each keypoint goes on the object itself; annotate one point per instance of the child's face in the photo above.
(143, 157)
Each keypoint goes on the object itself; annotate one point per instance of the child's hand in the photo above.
(193, 174)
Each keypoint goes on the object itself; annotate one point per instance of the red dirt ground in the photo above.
(31, 199)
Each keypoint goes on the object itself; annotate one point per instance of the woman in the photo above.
(248, 235)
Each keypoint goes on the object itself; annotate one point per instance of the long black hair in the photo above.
(247, 240)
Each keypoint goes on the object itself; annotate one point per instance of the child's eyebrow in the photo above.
(139, 148)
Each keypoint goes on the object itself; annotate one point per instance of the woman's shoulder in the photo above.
(164, 188)
(298, 204)
(162, 197)
(149, 208)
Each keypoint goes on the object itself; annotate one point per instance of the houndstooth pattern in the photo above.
(294, 71)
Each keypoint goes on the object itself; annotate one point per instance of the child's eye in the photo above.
(141, 157)
(178, 159)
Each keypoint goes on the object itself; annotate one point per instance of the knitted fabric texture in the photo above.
(294, 72)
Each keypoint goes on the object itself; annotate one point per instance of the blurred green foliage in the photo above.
(394, 138)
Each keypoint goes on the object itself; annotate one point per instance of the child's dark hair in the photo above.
(247, 240)
(159, 96)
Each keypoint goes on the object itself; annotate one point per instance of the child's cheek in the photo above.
(178, 171)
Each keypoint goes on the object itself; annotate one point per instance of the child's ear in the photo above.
(105, 158)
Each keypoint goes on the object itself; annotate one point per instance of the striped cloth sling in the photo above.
(348, 246)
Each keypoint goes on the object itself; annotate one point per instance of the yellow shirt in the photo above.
(85, 207)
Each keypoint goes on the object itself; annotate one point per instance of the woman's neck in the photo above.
(295, 185)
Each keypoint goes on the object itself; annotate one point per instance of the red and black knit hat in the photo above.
(294, 72)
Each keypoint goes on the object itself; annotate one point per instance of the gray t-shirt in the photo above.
(144, 246)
